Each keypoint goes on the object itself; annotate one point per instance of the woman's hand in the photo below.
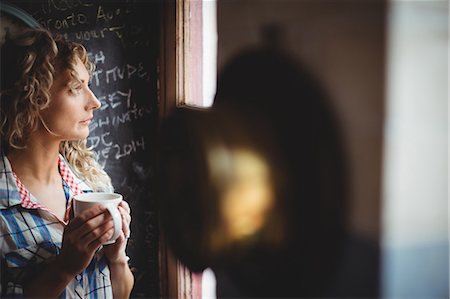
(122, 279)
(115, 253)
(82, 237)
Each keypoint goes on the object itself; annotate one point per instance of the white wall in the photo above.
(415, 212)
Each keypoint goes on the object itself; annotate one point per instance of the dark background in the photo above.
(122, 39)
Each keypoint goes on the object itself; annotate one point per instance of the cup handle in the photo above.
(117, 220)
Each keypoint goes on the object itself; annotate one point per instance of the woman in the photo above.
(46, 108)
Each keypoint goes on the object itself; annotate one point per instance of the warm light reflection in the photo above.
(246, 191)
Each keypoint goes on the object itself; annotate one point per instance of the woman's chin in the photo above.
(77, 137)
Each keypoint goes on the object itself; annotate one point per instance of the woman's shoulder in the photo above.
(5, 166)
(9, 192)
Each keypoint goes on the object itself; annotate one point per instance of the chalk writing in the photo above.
(121, 118)
(102, 146)
(63, 5)
(127, 149)
(98, 57)
(93, 141)
(114, 99)
(118, 30)
(90, 34)
(106, 16)
(71, 20)
(117, 73)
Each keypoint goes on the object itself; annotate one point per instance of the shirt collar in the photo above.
(17, 194)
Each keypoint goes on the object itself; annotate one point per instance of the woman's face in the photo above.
(72, 104)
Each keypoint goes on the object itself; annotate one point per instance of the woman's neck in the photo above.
(38, 161)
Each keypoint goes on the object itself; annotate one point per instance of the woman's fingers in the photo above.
(125, 215)
(93, 227)
(89, 224)
(85, 216)
(105, 228)
(101, 239)
(126, 219)
(125, 205)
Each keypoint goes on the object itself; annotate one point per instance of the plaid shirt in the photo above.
(31, 235)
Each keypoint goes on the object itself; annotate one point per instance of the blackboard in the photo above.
(122, 39)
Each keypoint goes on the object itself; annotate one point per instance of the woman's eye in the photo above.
(75, 89)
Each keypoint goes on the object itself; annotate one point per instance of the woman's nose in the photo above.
(94, 103)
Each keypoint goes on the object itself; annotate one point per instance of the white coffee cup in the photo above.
(111, 201)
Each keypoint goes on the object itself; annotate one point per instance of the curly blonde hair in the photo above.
(30, 62)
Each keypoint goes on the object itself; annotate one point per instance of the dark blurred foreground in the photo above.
(255, 188)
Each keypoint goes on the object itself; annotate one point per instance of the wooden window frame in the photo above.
(177, 72)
